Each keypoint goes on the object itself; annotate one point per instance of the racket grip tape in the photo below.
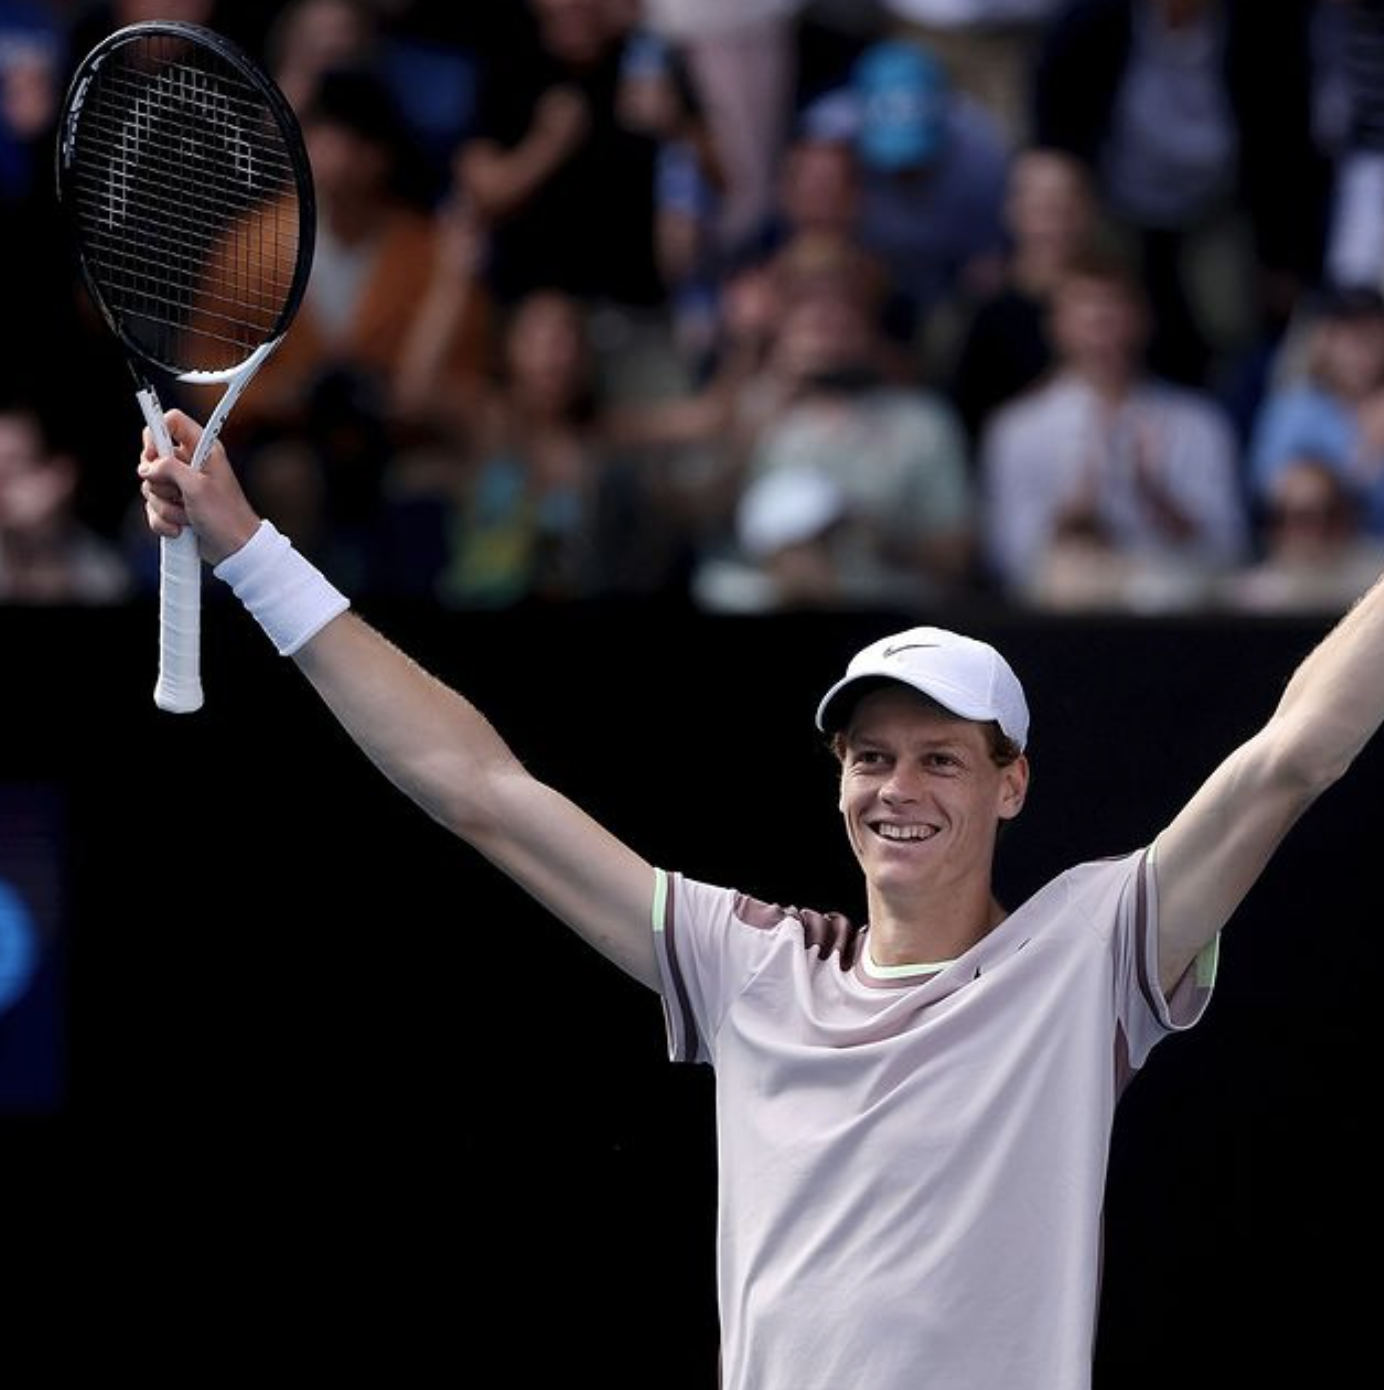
(179, 686)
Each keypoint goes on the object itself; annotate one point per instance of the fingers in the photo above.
(165, 518)
(183, 430)
(166, 475)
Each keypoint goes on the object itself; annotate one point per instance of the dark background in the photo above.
(335, 1096)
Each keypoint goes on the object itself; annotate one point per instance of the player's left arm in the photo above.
(1215, 848)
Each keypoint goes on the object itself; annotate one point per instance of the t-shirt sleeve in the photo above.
(706, 955)
(1145, 1013)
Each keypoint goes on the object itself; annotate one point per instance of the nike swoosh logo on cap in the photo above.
(908, 647)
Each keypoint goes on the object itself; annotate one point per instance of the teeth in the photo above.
(902, 832)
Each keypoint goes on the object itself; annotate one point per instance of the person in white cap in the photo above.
(913, 1113)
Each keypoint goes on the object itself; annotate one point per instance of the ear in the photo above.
(1013, 788)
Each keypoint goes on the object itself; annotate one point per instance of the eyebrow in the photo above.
(931, 742)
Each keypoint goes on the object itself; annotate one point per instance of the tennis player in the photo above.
(914, 1114)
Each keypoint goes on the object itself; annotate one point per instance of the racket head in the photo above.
(188, 196)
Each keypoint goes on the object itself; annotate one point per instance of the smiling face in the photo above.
(922, 797)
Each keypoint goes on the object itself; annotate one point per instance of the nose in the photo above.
(901, 786)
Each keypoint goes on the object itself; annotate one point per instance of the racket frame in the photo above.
(179, 686)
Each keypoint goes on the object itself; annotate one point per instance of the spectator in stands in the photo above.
(1318, 557)
(429, 56)
(32, 61)
(1332, 407)
(1349, 53)
(741, 55)
(787, 526)
(1107, 486)
(986, 46)
(933, 167)
(896, 453)
(1052, 218)
(378, 260)
(693, 446)
(1195, 119)
(565, 186)
(47, 553)
(818, 214)
(657, 96)
(310, 38)
(528, 504)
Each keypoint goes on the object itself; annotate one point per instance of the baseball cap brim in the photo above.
(833, 712)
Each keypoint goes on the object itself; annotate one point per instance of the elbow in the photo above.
(485, 804)
(1307, 760)
(463, 797)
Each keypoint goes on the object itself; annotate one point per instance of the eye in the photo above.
(868, 757)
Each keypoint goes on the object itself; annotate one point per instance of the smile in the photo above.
(903, 834)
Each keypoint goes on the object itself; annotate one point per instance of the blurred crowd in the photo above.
(753, 305)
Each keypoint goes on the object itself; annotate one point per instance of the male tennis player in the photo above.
(914, 1115)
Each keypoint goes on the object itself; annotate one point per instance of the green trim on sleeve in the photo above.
(1208, 959)
(1208, 962)
(660, 904)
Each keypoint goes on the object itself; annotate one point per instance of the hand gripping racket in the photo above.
(183, 178)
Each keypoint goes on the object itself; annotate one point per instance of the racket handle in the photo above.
(179, 687)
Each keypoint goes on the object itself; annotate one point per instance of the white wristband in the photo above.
(287, 595)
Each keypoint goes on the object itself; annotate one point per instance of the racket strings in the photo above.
(187, 207)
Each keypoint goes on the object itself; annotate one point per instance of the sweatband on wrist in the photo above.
(287, 595)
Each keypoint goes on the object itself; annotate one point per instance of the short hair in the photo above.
(1003, 749)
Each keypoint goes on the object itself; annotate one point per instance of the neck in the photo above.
(1037, 268)
(1112, 382)
(930, 927)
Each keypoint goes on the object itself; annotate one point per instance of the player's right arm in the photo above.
(430, 741)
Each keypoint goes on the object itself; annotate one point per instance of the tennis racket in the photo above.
(184, 181)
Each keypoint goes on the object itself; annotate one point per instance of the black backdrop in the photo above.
(337, 1095)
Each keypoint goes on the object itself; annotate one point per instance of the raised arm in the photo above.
(430, 741)
(1210, 855)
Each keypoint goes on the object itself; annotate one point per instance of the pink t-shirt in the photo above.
(912, 1170)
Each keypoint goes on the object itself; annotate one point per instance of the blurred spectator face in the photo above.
(314, 36)
(29, 83)
(352, 132)
(750, 303)
(1050, 202)
(545, 350)
(822, 333)
(1098, 321)
(1310, 512)
(576, 31)
(1350, 353)
(345, 165)
(819, 190)
(35, 486)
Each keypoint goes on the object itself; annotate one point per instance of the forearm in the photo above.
(499, 183)
(439, 750)
(418, 381)
(1335, 700)
(425, 738)
(433, 744)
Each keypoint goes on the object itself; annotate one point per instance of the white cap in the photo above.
(787, 506)
(966, 676)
